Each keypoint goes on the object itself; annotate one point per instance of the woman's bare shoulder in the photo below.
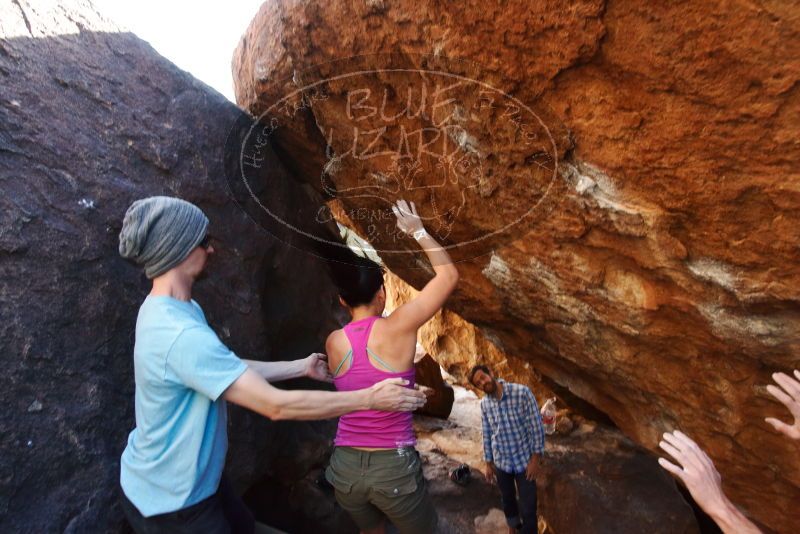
(391, 344)
(337, 344)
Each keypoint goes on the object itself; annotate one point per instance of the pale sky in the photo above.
(198, 36)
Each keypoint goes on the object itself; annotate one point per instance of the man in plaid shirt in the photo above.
(513, 442)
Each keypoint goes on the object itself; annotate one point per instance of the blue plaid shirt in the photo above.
(512, 428)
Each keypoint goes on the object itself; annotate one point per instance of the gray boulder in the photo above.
(92, 119)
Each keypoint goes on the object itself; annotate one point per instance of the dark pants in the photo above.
(525, 511)
(222, 513)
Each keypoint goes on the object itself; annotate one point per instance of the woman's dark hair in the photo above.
(358, 279)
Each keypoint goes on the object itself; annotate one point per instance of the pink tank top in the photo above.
(370, 428)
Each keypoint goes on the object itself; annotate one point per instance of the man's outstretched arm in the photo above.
(313, 366)
(251, 391)
(537, 432)
(489, 469)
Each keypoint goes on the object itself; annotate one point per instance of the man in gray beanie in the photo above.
(171, 469)
(159, 232)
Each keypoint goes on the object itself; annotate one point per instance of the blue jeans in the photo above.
(520, 515)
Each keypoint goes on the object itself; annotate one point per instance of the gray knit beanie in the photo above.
(158, 233)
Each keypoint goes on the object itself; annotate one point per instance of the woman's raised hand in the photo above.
(407, 219)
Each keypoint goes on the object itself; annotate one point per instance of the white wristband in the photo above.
(419, 234)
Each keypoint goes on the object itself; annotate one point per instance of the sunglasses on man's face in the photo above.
(206, 242)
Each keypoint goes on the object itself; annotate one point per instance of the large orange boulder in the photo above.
(620, 181)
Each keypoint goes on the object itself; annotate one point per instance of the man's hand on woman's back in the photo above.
(316, 367)
(391, 395)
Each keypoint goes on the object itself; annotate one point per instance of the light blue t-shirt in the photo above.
(176, 453)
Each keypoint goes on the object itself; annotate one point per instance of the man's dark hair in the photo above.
(476, 369)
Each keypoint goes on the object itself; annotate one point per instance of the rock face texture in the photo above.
(440, 399)
(599, 481)
(620, 179)
(92, 119)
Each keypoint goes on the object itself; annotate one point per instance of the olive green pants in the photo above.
(372, 485)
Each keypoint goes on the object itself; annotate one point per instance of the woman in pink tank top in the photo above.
(375, 469)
